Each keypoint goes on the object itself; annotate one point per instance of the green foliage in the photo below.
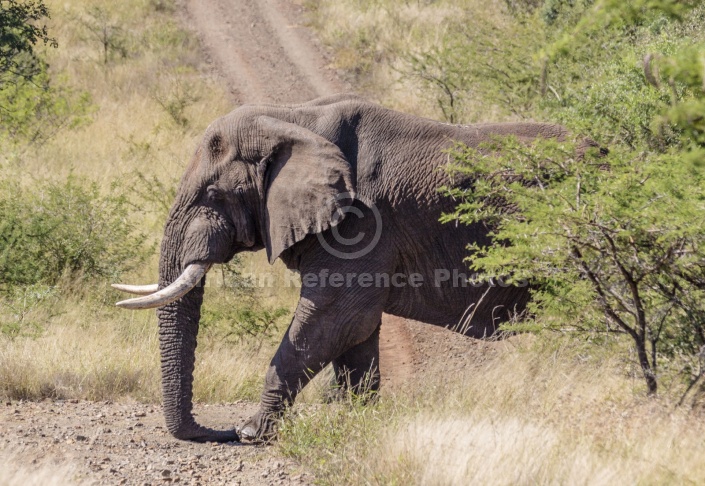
(475, 61)
(31, 107)
(606, 92)
(325, 438)
(19, 35)
(239, 320)
(65, 230)
(684, 74)
(34, 110)
(612, 245)
(158, 196)
(18, 310)
(236, 313)
(176, 100)
(574, 61)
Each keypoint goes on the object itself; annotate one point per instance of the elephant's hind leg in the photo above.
(357, 369)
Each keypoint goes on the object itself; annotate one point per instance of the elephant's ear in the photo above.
(307, 183)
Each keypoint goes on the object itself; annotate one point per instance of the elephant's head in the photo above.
(256, 181)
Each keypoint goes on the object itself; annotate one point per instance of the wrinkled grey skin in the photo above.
(266, 177)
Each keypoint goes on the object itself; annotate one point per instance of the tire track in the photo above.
(261, 50)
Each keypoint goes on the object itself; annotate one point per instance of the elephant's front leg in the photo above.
(324, 327)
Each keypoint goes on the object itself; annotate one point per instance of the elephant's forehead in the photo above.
(226, 134)
(195, 164)
(198, 172)
(207, 167)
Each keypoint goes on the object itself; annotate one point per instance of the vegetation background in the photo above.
(92, 134)
(94, 137)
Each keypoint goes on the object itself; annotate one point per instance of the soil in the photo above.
(127, 443)
(263, 53)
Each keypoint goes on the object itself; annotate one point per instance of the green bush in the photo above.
(21, 310)
(609, 250)
(32, 107)
(33, 110)
(615, 245)
(65, 230)
(236, 313)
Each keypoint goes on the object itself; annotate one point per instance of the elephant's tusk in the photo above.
(137, 289)
(180, 287)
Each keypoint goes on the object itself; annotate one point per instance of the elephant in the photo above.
(345, 192)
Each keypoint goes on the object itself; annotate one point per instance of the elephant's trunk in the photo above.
(178, 328)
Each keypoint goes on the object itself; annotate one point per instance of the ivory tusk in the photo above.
(177, 289)
(137, 289)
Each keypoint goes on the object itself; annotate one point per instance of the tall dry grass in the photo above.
(102, 354)
(534, 412)
(371, 43)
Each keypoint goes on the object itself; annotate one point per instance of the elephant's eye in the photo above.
(214, 194)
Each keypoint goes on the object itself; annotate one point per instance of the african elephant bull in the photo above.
(345, 192)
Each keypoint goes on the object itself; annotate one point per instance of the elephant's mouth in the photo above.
(152, 297)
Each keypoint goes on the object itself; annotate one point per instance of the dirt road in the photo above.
(262, 51)
(263, 54)
(127, 443)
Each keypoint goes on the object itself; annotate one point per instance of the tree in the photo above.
(19, 35)
(105, 30)
(613, 245)
(32, 108)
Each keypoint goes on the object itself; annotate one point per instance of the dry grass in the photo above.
(556, 420)
(100, 354)
(162, 61)
(534, 413)
(370, 42)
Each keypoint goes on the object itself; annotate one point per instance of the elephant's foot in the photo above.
(261, 426)
(203, 434)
